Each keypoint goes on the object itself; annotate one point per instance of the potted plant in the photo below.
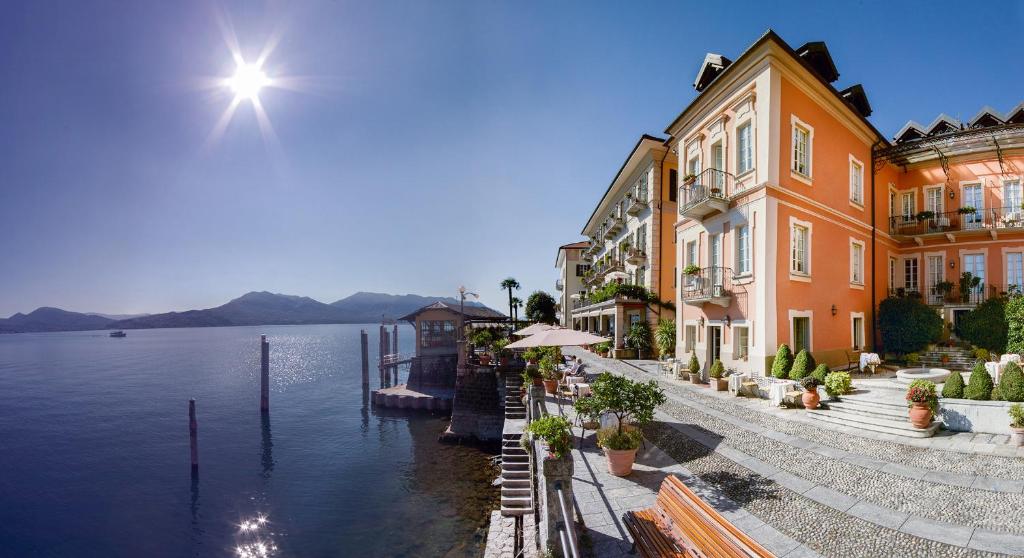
(632, 404)
(532, 375)
(716, 373)
(810, 397)
(639, 338)
(603, 348)
(694, 368)
(688, 178)
(548, 374)
(924, 215)
(923, 403)
(556, 432)
(967, 209)
(665, 337)
(503, 354)
(1017, 423)
(532, 355)
(480, 340)
(691, 269)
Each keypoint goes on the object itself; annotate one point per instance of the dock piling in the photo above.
(364, 346)
(193, 444)
(264, 374)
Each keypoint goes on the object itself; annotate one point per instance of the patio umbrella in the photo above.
(557, 338)
(616, 275)
(535, 328)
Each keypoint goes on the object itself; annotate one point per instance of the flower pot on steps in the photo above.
(1018, 436)
(920, 416)
(810, 399)
(620, 462)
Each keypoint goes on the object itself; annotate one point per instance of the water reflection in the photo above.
(253, 539)
(267, 446)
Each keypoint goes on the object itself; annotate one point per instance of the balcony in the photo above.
(708, 192)
(952, 222)
(559, 285)
(952, 294)
(708, 285)
(637, 203)
(615, 226)
(586, 257)
(635, 256)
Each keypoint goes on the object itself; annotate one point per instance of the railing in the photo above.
(939, 296)
(708, 282)
(635, 255)
(566, 534)
(637, 203)
(956, 221)
(615, 225)
(709, 184)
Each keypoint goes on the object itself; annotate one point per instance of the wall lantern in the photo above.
(952, 193)
(952, 264)
(728, 320)
(701, 321)
(834, 310)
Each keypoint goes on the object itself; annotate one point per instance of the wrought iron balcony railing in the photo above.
(635, 255)
(709, 191)
(637, 203)
(615, 225)
(928, 222)
(709, 284)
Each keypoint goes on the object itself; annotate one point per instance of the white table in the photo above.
(580, 389)
(736, 382)
(869, 359)
(777, 391)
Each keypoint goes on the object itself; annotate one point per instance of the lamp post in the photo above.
(463, 293)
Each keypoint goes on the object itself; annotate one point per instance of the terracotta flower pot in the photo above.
(695, 378)
(1018, 436)
(811, 399)
(620, 462)
(550, 386)
(538, 382)
(920, 415)
(721, 384)
(485, 359)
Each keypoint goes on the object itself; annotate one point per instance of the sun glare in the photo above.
(247, 81)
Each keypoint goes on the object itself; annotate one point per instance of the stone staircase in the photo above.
(516, 478)
(880, 410)
(959, 359)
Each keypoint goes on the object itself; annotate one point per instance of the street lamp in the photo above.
(463, 293)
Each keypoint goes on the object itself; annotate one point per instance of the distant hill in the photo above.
(116, 316)
(52, 319)
(364, 307)
(254, 308)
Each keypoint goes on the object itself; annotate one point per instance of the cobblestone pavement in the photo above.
(838, 507)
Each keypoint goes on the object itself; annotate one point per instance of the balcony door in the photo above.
(715, 258)
(974, 197)
(934, 278)
(718, 164)
(714, 344)
(933, 200)
(975, 265)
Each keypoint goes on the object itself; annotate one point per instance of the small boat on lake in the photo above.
(118, 333)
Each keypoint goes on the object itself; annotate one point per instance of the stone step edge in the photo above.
(902, 424)
(848, 420)
(979, 482)
(896, 413)
(976, 538)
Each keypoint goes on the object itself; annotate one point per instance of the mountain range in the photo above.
(254, 308)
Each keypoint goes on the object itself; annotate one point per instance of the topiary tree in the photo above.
(783, 362)
(821, 372)
(717, 369)
(1014, 311)
(1011, 383)
(908, 324)
(803, 365)
(694, 365)
(985, 326)
(954, 386)
(979, 387)
(639, 337)
(540, 307)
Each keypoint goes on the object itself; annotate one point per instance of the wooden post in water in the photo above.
(264, 374)
(394, 349)
(364, 346)
(382, 350)
(193, 444)
(387, 351)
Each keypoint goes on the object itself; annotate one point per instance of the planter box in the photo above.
(625, 353)
(965, 415)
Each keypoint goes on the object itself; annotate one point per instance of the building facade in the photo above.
(571, 269)
(795, 217)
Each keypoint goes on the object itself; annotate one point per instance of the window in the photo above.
(973, 197)
(641, 188)
(799, 241)
(690, 339)
(741, 337)
(437, 333)
(856, 181)
(742, 249)
(744, 149)
(801, 149)
(857, 323)
(691, 252)
(718, 164)
(801, 333)
(715, 261)
(1015, 272)
(693, 165)
(581, 269)
(910, 274)
(933, 275)
(641, 273)
(1012, 195)
(641, 237)
(673, 185)
(892, 273)
(933, 199)
(907, 204)
(857, 262)
(892, 203)
(975, 265)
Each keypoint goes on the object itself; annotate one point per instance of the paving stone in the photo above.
(938, 531)
(878, 515)
(992, 541)
(831, 498)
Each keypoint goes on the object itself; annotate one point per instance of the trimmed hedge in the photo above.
(1014, 311)
(694, 365)
(1011, 383)
(979, 387)
(803, 365)
(908, 325)
(821, 372)
(783, 362)
(985, 326)
(954, 386)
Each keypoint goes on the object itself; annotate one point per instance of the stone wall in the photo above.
(965, 415)
(476, 408)
(432, 371)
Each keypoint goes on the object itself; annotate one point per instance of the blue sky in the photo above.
(434, 144)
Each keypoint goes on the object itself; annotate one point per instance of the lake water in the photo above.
(94, 457)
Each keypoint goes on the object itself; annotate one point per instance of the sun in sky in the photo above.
(247, 81)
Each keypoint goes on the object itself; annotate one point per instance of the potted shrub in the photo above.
(556, 432)
(783, 362)
(481, 340)
(838, 383)
(603, 348)
(589, 413)
(691, 269)
(532, 355)
(1017, 423)
(504, 355)
(639, 338)
(716, 373)
(694, 368)
(688, 178)
(632, 404)
(548, 374)
(665, 338)
(810, 397)
(532, 375)
(923, 403)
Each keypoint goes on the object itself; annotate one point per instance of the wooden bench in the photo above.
(681, 524)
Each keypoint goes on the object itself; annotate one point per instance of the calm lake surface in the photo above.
(94, 457)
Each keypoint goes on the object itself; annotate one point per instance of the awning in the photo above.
(557, 338)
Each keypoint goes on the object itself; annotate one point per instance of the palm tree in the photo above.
(509, 284)
(517, 303)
